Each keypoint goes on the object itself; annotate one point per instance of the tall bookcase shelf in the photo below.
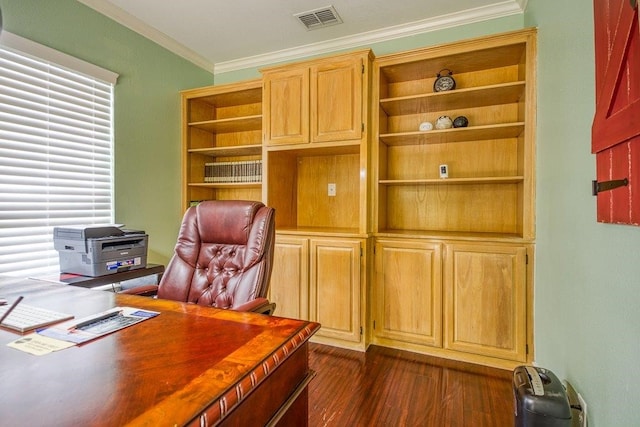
(228, 185)
(455, 251)
(241, 150)
(489, 162)
(505, 93)
(238, 124)
(474, 133)
(222, 142)
(455, 181)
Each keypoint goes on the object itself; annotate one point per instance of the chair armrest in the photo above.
(144, 290)
(258, 305)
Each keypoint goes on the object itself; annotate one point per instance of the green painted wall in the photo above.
(587, 295)
(147, 107)
(587, 292)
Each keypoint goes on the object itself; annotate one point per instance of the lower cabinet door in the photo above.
(407, 299)
(289, 286)
(335, 287)
(485, 300)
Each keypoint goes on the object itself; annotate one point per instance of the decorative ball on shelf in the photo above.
(460, 122)
(444, 122)
(425, 126)
(444, 82)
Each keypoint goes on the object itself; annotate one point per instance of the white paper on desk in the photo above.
(127, 316)
(39, 345)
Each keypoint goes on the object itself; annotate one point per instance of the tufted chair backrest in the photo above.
(224, 254)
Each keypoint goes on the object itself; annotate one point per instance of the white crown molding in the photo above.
(523, 4)
(497, 10)
(121, 17)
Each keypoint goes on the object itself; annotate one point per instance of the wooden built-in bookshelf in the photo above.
(221, 124)
(439, 265)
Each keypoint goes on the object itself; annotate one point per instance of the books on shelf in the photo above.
(236, 171)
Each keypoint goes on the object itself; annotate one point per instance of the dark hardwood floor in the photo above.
(387, 387)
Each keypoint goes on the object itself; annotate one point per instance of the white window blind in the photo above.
(56, 155)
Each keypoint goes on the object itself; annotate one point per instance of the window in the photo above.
(56, 151)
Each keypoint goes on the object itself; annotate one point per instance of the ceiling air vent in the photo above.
(319, 18)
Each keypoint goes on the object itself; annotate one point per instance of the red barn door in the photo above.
(615, 133)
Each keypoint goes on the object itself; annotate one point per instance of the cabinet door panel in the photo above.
(486, 300)
(289, 286)
(335, 288)
(286, 119)
(336, 96)
(408, 296)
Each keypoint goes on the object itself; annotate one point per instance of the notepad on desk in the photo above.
(25, 317)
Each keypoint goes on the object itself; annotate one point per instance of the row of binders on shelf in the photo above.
(236, 171)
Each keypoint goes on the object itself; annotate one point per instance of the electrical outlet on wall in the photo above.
(583, 413)
(578, 406)
(331, 189)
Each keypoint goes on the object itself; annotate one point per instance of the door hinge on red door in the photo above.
(598, 187)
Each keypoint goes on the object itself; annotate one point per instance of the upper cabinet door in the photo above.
(286, 95)
(336, 96)
(616, 124)
(321, 100)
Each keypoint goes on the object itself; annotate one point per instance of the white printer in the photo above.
(99, 250)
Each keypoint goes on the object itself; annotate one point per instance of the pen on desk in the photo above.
(95, 319)
(10, 309)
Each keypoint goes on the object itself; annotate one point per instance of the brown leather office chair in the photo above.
(223, 257)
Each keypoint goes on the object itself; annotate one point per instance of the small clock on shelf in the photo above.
(444, 81)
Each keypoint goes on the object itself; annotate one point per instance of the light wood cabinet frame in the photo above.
(458, 245)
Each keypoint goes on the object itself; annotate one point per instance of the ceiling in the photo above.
(223, 36)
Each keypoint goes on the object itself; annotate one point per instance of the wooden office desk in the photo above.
(190, 365)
